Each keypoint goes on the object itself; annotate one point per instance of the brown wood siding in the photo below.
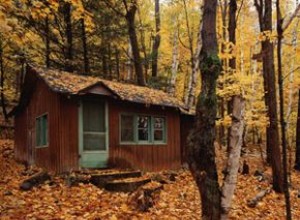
(145, 157)
(69, 134)
(62, 147)
(186, 124)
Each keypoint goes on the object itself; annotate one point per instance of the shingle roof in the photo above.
(70, 83)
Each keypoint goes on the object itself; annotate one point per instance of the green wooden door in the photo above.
(93, 138)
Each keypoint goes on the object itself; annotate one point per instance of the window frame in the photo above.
(47, 130)
(151, 140)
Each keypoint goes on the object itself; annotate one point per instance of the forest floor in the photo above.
(177, 200)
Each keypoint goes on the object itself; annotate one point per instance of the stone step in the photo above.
(101, 179)
(126, 185)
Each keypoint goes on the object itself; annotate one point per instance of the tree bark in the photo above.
(236, 129)
(47, 42)
(282, 120)
(297, 156)
(201, 154)
(130, 15)
(84, 47)
(3, 103)
(156, 42)
(175, 63)
(265, 21)
(69, 37)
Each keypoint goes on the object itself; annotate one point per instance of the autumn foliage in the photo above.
(177, 200)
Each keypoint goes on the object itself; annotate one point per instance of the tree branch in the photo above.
(291, 18)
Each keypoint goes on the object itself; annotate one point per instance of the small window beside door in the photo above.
(142, 129)
(41, 124)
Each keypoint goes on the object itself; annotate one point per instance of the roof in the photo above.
(74, 84)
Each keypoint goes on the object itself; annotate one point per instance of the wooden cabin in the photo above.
(65, 122)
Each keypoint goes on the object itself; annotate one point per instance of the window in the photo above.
(94, 131)
(142, 129)
(42, 130)
(159, 129)
(127, 128)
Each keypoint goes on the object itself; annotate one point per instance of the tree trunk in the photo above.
(235, 146)
(85, 49)
(297, 156)
(3, 103)
(236, 129)
(175, 63)
(201, 156)
(129, 75)
(156, 42)
(47, 42)
(69, 37)
(117, 58)
(265, 20)
(282, 120)
(130, 15)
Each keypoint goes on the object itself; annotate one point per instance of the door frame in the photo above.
(80, 133)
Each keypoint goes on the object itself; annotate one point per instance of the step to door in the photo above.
(126, 185)
(101, 179)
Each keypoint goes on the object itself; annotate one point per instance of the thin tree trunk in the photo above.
(201, 156)
(195, 61)
(265, 21)
(3, 103)
(129, 76)
(47, 42)
(85, 49)
(236, 129)
(117, 58)
(143, 45)
(282, 120)
(175, 63)
(69, 36)
(297, 156)
(130, 16)
(156, 42)
(235, 144)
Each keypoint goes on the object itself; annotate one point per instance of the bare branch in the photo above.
(291, 18)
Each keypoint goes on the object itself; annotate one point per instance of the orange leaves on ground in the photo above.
(177, 200)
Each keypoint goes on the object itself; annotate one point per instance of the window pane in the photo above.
(127, 128)
(44, 122)
(159, 128)
(37, 131)
(143, 128)
(93, 116)
(159, 123)
(94, 142)
(158, 135)
(42, 130)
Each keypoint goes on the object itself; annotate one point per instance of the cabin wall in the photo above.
(145, 157)
(62, 131)
(186, 124)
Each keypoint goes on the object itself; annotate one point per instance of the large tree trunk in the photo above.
(130, 15)
(201, 156)
(156, 42)
(265, 21)
(236, 129)
(69, 37)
